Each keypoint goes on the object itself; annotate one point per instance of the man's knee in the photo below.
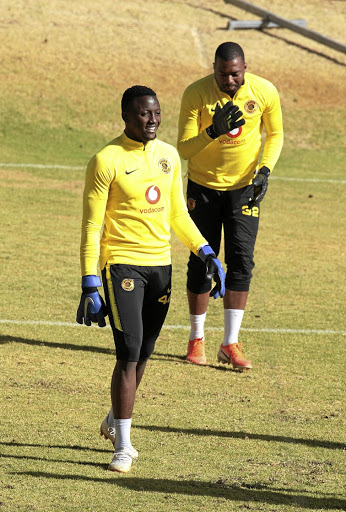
(196, 276)
(127, 348)
(239, 279)
(147, 349)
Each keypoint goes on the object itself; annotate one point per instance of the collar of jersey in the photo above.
(134, 144)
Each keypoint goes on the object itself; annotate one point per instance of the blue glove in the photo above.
(91, 307)
(214, 270)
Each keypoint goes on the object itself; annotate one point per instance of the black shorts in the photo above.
(137, 299)
(212, 210)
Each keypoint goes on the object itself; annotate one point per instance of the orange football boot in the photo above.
(232, 354)
(196, 351)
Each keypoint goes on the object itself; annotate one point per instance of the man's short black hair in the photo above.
(229, 51)
(135, 92)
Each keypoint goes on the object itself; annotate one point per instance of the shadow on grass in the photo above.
(52, 344)
(267, 33)
(159, 356)
(90, 348)
(58, 446)
(303, 47)
(100, 350)
(49, 460)
(316, 443)
(217, 489)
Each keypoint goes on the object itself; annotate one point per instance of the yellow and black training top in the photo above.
(230, 161)
(135, 192)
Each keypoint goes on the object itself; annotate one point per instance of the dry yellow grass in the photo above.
(84, 54)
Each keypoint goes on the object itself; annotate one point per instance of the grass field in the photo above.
(211, 438)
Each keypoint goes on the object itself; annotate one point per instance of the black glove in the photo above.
(260, 186)
(225, 120)
(214, 270)
(91, 307)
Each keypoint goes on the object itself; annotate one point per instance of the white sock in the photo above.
(123, 433)
(197, 326)
(233, 319)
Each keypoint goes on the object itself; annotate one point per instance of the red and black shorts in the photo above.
(212, 210)
(137, 299)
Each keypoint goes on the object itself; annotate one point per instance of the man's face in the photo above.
(142, 118)
(229, 74)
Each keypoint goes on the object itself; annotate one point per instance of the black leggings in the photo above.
(212, 210)
(137, 299)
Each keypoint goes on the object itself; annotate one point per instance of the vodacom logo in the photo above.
(235, 133)
(153, 194)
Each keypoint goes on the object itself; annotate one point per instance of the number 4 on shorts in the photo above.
(164, 299)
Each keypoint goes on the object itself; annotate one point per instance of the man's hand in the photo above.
(260, 185)
(214, 270)
(91, 307)
(225, 120)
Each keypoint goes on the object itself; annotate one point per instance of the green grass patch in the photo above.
(42, 142)
(209, 438)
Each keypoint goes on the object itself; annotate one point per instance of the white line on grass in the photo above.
(78, 168)
(41, 166)
(309, 180)
(199, 47)
(185, 327)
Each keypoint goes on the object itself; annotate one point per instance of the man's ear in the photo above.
(124, 116)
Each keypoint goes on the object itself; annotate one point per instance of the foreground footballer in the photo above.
(133, 195)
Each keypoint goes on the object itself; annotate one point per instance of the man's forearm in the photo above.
(189, 147)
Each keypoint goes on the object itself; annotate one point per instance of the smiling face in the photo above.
(142, 118)
(229, 74)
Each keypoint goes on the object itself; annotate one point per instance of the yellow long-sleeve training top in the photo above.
(230, 161)
(135, 192)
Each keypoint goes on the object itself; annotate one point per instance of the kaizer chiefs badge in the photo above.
(164, 165)
(251, 106)
(127, 285)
